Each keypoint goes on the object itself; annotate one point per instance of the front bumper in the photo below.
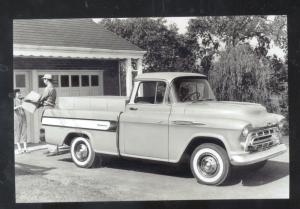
(250, 158)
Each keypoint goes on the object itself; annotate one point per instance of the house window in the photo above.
(85, 81)
(20, 81)
(55, 80)
(75, 80)
(64, 81)
(95, 80)
(41, 82)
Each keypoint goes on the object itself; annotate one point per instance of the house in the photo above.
(84, 58)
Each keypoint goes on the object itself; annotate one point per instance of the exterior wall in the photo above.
(34, 67)
(110, 68)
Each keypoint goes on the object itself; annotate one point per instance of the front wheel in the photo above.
(210, 164)
(82, 153)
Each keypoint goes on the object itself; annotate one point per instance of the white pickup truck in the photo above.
(170, 117)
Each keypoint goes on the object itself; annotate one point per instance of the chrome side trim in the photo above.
(183, 122)
(101, 125)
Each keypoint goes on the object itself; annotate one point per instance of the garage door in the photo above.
(74, 83)
(70, 83)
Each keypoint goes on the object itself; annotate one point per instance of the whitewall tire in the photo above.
(210, 164)
(82, 152)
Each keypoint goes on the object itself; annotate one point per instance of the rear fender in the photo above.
(68, 139)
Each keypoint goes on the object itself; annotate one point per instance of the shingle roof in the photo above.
(68, 33)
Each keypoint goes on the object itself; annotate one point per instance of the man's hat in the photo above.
(47, 76)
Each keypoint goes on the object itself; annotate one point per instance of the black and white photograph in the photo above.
(151, 109)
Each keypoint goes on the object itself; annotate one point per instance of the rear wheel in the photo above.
(210, 164)
(82, 153)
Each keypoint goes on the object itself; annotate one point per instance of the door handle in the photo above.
(133, 108)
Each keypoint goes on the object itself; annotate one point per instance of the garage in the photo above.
(84, 58)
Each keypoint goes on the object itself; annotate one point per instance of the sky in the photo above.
(182, 23)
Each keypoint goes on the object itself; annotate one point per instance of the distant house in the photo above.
(83, 57)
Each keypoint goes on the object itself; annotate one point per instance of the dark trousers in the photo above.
(42, 131)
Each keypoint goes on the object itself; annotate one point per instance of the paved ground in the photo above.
(56, 179)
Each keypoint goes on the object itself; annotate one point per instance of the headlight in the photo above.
(245, 131)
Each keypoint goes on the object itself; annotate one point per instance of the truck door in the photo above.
(144, 125)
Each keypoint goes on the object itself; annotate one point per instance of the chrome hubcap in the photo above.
(208, 165)
(81, 152)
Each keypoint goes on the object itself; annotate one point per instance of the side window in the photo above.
(160, 92)
(151, 92)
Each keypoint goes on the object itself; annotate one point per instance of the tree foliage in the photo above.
(278, 32)
(166, 50)
(230, 31)
(238, 76)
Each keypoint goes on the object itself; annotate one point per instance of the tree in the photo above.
(239, 75)
(230, 31)
(166, 50)
(278, 83)
(278, 32)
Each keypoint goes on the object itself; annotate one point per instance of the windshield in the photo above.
(191, 89)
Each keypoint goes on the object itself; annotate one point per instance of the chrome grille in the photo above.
(262, 139)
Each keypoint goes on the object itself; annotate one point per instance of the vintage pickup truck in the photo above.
(170, 117)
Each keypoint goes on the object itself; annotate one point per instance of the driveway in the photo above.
(56, 179)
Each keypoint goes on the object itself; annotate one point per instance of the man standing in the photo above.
(47, 101)
(48, 98)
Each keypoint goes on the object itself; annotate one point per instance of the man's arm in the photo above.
(45, 95)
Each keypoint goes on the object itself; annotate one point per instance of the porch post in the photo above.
(139, 66)
(128, 69)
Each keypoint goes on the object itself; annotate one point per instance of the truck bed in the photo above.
(96, 117)
(105, 103)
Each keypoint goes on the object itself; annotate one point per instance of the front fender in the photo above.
(187, 146)
(219, 137)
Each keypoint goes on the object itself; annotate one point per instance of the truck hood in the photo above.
(252, 113)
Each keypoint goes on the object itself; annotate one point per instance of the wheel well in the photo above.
(195, 143)
(71, 136)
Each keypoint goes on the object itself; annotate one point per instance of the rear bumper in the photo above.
(247, 159)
